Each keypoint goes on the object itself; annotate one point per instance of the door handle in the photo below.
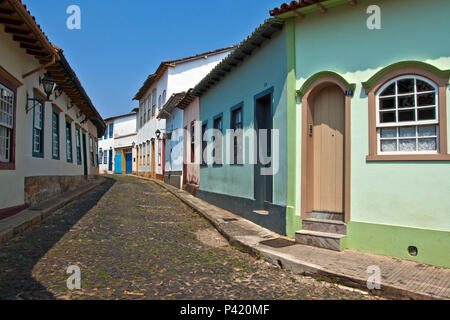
(310, 130)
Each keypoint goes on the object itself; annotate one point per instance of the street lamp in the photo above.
(48, 83)
(158, 133)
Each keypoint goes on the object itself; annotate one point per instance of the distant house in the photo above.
(48, 125)
(116, 147)
(361, 121)
(170, 78)
(180, 113)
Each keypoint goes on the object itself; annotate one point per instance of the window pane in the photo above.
(407, 145)
(389, 91)
(406, 115)
(427, 145)
(407, 132)
(387, 103)
(406, 102)
(427, 99)
(427, 131)
(427, 114)
(388, 145)
(389, 132)
(387, 117)
(423, 86)
(405, 86)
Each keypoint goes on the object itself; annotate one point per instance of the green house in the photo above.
(356, 95)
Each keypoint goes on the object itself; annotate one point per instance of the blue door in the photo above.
(129, 163)
(118, 164)
(110, 159)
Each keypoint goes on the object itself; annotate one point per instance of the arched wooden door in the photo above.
(328, 150)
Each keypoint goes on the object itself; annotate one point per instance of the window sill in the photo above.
(408, 157)
(7, 166)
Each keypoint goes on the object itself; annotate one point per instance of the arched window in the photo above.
(408, 116)
(164, 97)
(160, 102)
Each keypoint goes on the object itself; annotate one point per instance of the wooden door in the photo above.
(328, 150)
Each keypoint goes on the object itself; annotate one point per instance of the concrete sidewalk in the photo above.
(12, 226)
(400, 279)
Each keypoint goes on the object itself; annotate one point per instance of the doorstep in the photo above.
(12, 226)
(401, 279)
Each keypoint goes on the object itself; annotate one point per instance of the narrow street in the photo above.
(134, 240)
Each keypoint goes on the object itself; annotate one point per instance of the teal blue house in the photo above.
(231, 102)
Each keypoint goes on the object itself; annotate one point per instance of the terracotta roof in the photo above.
(262, 34)
(19, 22)
(166, 64)
(285, 7)
(171, 104)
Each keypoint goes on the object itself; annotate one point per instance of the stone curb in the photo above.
(12, 226)
(250, 244)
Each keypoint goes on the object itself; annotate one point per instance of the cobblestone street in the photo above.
(134, 240)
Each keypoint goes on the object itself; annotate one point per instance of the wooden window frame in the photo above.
(91, 150)
(69, 138)
(218, 145)
(42, 134)
(78, 147)
(11, 165)
(148, 153)
(154, 94)
(56, 112)
(233, 111)
(204, 144)
(111, 132)
(441, 81)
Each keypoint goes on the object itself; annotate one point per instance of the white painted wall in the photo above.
(179, 78)
(124, 136)
(15, 60)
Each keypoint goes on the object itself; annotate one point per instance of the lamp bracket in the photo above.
(59, 89)
(35, 100)
(85, 120)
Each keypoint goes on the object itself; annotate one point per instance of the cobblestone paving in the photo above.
(134, 240)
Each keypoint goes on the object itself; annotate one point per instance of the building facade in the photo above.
(171, 77)
(227, 102)
(362, 134)
(48, 140)
(388, 125)
(117, 147)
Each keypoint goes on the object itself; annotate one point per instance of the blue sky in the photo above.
(121, 42)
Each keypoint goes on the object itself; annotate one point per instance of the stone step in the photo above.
(328, 226)
(325, 215)
(331, 241)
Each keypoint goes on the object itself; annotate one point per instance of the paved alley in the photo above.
(134, 240)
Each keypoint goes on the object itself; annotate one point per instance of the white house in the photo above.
(170, 78)
(116, 147)
(48, 124)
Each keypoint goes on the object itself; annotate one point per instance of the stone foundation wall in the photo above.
(40, 189)
(191, 188)
(173, 178)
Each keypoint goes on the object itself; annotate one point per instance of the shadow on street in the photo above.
(19, 256)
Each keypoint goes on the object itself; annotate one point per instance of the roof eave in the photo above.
(262, 34)
(309, 9)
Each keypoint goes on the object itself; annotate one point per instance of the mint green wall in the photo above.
(265, 68)
(408, 194)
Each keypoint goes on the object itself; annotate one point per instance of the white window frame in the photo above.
(415, 124)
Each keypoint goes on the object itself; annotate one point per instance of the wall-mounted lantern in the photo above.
(48, 83)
